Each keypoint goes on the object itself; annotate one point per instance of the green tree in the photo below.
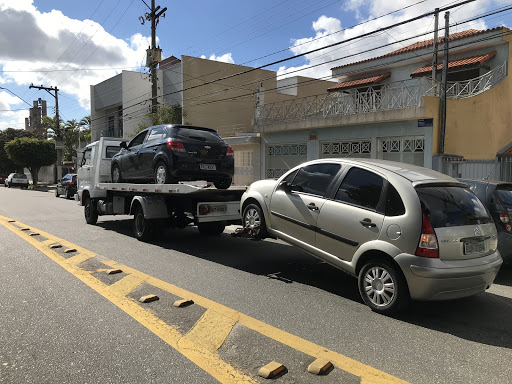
(70, 133)
(85, 130)
(49, 126)
(163, 115)
(7, 165)
(31, 153)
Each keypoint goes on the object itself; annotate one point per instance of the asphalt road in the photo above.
(55, 328)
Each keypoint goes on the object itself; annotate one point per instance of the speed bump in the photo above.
(271, 370)
(148, 298)
(320, 367)
(69, 250)
(54, 246)
(183, 303)
(112, 271)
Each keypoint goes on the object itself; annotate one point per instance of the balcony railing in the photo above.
(473, 87)
(385, 97)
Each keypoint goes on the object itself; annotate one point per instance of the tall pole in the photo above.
(154, 53)
(154, 88)
(434, 56)
(57, 119)
(444, 81)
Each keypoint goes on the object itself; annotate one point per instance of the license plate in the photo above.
(472, 247)
(207, 167)
(219, 208)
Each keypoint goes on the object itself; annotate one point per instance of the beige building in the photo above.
(222, 96)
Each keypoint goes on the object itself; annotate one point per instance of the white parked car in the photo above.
(16, 179)
(405, 232)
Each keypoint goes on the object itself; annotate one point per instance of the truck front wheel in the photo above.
(142, 227)
(90, 211)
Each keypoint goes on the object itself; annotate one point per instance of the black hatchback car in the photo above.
(67, 186)
(166, 154)
(497, 197)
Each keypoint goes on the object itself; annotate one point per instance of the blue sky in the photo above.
(73, 44)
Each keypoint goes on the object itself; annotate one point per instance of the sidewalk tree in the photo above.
(85, 129)
(31, 153)
(164, 115)
(7, 165)
(70, 133)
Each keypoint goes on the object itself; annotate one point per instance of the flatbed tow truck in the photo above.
(153, 206)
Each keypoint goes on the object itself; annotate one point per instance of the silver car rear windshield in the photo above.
(452, 206)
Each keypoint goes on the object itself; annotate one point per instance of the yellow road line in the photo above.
(208, 334)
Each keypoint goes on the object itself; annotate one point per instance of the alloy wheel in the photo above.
(252, 220)
(379, 286)
(161, 174)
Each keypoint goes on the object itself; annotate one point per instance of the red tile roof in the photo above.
(425, 44)
(365, 81)
(456, 63)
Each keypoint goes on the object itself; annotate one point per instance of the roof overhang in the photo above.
(359, 82)
(467, 63)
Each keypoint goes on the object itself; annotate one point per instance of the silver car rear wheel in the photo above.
(383, 286)
(379, 286)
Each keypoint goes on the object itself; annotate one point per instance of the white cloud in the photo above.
(37, 42)
(226, 58)
(326, 29)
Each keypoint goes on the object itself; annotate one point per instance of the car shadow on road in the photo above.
(483, 318)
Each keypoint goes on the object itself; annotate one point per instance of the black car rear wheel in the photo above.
(162, 174)
(68, 194)
(223, 183)
(116, 174)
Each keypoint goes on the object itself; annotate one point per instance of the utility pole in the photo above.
(434, 57)
(154, 53)
(444, 82)
(57, 171)
(56, 90)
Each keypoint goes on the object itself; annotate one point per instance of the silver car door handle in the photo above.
(312, 207)
(367, 223)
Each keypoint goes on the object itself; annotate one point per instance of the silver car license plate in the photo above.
(472, 247)
(219, 208)
(207, 167)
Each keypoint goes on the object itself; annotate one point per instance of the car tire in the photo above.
(162, 174)
(68, 196)
(254, 220)
(91, 211)
(223, 183)
(142, 227)
(8, 185)
(383, 287)
(57, 194)
(211, 229)
(116, 174)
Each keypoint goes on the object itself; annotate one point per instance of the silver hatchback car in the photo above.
(405, 232)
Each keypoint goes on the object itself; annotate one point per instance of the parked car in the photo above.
(497, 197)
(405, 232)
(16, 179)
(2, 180)
(67, 186)
(166, 154)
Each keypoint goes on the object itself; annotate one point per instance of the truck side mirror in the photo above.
(122, 144)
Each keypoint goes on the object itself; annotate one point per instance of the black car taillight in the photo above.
(175, 146)
(504, 217)
(427, 246)
(229, 152)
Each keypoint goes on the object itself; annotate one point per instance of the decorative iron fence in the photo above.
(473, 87)
(390, 96)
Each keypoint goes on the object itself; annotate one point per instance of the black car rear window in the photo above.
(504, 194)
(449, 206)
(196, 134)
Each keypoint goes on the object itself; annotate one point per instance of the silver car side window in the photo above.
(315, 178)
(361, 187)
